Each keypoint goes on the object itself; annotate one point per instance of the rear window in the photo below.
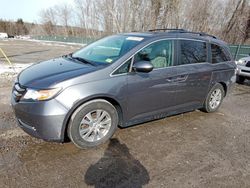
(192, 52)
(218, 54)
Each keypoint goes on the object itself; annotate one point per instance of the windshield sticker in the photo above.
(109, 60)
(135, 38)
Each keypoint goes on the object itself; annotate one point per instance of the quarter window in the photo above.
(158, 53)
(124, 68)
(192, 52)
(218, 54)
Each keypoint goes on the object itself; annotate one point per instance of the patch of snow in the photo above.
(55, 43)
(3, 35)
(23, 37)
(14, 68)
(3, 39)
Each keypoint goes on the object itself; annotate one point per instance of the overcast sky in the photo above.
(28, 10)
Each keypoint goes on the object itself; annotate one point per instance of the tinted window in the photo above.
(124, 68)
(192, 52)
(218, 54)
(158, 53)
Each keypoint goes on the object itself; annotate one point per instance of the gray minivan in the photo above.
(122, 80)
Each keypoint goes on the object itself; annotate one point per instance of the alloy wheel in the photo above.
(95, 125)
(215, 99)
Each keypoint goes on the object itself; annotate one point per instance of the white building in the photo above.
(3, 35)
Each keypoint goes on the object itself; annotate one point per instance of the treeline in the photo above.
(227, 19)
(14, 28)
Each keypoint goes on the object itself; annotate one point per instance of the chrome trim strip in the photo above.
(111, 74)
(17, 94)
(18, 88)
(26, 125)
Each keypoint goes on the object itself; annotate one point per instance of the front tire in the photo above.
(214, 98)
(93, 123)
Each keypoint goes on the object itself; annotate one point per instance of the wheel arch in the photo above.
(224, 87)
(111, 100)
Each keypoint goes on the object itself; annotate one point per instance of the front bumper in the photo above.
(243, 71)
(42, 120)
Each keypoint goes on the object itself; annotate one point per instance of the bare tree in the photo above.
(237, 28)
(49, 20)
(64, 15)
(228, 19)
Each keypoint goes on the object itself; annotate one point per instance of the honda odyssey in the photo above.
(122, 80)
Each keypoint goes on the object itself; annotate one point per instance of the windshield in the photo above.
(108, 49)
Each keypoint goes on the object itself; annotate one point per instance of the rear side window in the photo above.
(218, 54)
(192, 52)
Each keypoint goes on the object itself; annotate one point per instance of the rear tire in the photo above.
(214, 98)
(93, 123)
(240, 79)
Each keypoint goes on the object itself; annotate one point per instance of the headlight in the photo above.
(240, 62)
(41, 95)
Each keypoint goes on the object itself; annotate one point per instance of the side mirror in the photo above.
(143, 66)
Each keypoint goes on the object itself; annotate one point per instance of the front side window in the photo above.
(109, 49)
(218, 54)
(192, 52)
(158, 53)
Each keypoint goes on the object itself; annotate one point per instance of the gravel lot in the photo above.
(194, 149)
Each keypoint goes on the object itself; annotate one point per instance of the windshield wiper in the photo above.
(83, 60)
(69, 56)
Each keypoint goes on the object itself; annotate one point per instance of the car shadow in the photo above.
(117, 168)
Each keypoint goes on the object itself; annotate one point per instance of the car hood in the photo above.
(46, 74)
(245, 59)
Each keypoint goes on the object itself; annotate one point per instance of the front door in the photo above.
(154, 92)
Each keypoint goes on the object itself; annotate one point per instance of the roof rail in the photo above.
(199, 33)
(166, 29)
(183, 31)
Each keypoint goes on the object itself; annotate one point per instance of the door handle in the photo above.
(181, 78)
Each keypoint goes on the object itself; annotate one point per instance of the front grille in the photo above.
(245, 71)
(248, 64)
(18, 91)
